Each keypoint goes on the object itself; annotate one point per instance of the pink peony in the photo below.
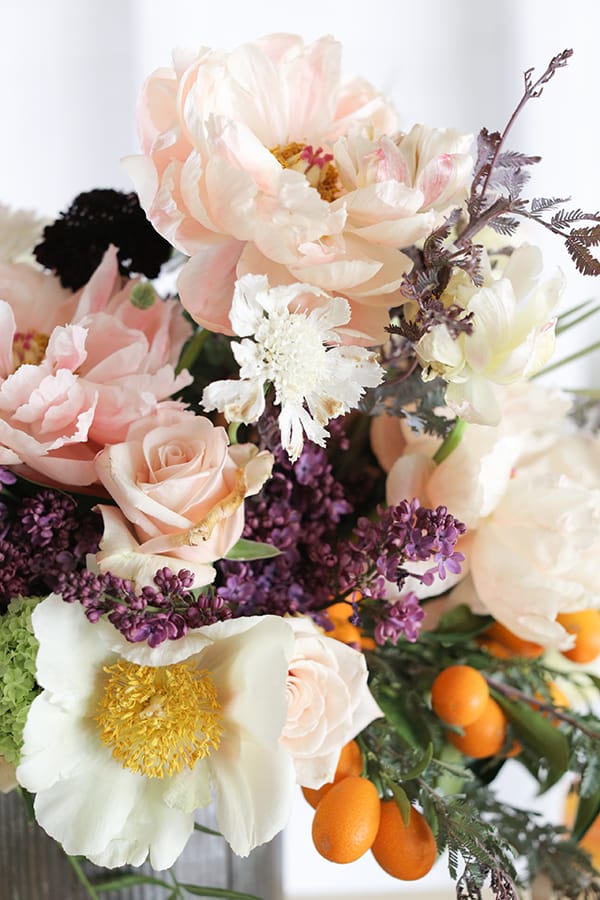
(77, 369)
(180, 490)
(329, 702)
(238, 168)
(396, 189)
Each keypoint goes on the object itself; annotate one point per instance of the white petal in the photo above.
(70, 675)
(254, 790)
(87, 811)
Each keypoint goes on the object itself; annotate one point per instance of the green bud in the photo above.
(143, 295)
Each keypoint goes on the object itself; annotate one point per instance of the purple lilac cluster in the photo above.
(378, 553)
(41, 538)
(402, 618)
(298, 511)
(154, 614)
(401, 534)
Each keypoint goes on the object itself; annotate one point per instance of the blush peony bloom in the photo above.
(529, 493)
(397, 188)
(207, 709)
(329, 702)
(512, 338)
(238, 167)
(293, 329)
(77, 369)
(180, 490)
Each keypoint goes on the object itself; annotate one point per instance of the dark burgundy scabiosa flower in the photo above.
(74, 244)
(166, 611)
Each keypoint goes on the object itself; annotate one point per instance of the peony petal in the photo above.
(254, 787)
(206, 285)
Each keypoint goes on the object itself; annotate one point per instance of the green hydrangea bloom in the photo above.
(18, 688)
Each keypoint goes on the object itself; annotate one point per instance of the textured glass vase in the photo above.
(33, 867)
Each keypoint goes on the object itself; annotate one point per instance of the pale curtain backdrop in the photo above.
(70, 71)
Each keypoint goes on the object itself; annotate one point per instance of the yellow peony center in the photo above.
(315, 165)
(158, 721)
(28, 348)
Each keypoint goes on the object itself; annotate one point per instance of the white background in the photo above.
(70, 71)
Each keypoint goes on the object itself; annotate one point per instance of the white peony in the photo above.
(529, 493)
(124, 742)
(512, 338)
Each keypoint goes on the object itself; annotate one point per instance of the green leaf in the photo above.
(540, 735)
(458, 624)
(587, 810)
(402, 802)
(198, 891)
(205, 830)
(451, 442)
(142, 295)
(123, 881)
(245, 551)
(595, 679)
(419, 766)
(394, 716)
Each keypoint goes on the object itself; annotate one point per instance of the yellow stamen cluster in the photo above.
(315, 165)
(28, 348)
(159, 720)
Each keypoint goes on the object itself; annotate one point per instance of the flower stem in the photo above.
(513, 693)
(450, 442)
(82, 877)
(192, 350)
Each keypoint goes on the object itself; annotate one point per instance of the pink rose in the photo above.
(180, 489)
(77, 369)
(329, 702)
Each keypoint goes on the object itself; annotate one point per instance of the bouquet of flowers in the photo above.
(282, 501)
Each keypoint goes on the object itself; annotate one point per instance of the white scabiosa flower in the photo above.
(125, 741)
(512, 338)
(292, 338)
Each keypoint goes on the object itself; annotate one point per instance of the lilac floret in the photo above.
(400, 619)
(165, 611)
